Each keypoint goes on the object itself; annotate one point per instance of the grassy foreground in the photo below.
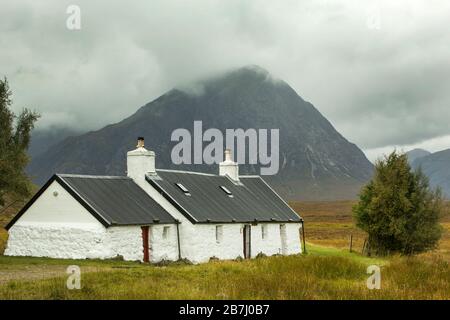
(328, 271)
(324, 273)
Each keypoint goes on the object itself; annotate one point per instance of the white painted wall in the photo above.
(58, 227)
(163, 248)
(203, 244)
(62, 208)
(124, 241)
(56, 241)
(200, 244)
(270, 245)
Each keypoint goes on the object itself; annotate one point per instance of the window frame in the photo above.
(219, 233)
(264, 232)
(166, 232)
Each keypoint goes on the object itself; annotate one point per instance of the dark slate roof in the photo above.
(253, 199)
(112, 200)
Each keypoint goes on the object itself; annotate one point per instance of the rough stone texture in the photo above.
(199, 242)
(56, 241)
(126, 242)
(163, 248)
(272, 243)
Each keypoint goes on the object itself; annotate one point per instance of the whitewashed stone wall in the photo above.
(293, 238)
(199, 241)
(56, 241)
(200, 244)
(270, 245)
(163, 248)
(126, 242)
(57, 226)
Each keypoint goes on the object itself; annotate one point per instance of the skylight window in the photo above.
(183, 189)
(228, 192)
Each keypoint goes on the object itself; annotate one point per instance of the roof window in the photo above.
(228, 192)
(183, 189)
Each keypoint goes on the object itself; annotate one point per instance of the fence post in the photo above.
(303, 237)
(351, 242)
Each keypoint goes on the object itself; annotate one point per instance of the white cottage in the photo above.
(153, 215)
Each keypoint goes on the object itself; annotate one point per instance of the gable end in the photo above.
(66, 187)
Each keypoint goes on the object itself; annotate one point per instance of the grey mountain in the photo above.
(42, 140)
(436, 167)
(316, 162)
(416, 154)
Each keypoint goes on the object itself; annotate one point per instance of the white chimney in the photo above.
(140, 161)
(228, 167)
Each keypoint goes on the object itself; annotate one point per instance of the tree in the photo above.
(15, 134)
(398, 209)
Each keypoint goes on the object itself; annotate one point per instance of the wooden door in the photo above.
(145, 243)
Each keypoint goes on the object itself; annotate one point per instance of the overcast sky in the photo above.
(378, 70)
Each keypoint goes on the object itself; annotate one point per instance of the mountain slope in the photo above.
(316, 162)
(436, 167)
(42, 140)
(415, 154)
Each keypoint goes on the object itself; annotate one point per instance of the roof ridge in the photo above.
(250, 176)
(189, 172)
(206, 174)
(70, 175)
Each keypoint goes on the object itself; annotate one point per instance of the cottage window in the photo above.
(219, 234)
(166, 231)
(263, 231)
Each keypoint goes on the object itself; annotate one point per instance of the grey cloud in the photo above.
(378, 87)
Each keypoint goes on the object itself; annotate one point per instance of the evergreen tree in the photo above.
(398, 210)
(14, 140)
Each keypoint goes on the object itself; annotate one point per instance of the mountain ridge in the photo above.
(316, 161)
(415, 154)
(436, 166)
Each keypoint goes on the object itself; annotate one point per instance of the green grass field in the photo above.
(324, 273)
(327, 271)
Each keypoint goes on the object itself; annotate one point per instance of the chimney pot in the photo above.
(228, 155)
(140, 142)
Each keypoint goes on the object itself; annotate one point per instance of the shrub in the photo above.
(398, 210)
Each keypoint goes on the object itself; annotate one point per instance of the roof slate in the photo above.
(253, 200)
(118, 200)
